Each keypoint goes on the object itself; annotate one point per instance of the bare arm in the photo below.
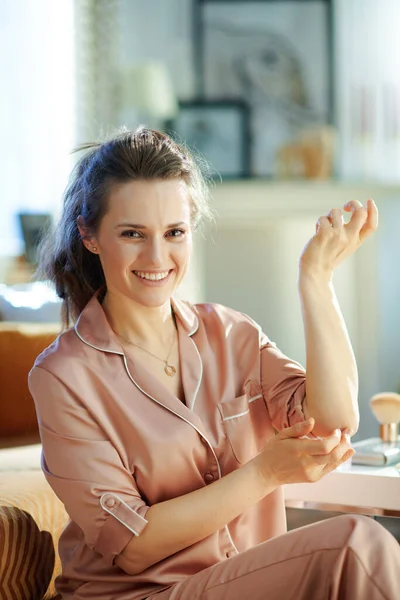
(178, 523)
(331, 370)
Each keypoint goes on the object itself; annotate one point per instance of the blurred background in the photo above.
(295, 105)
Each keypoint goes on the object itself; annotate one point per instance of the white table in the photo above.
(351, 488)
(366, 490)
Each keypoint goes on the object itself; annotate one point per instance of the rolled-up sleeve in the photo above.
(283, 383)
(84, 468)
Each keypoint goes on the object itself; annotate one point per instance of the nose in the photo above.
(155, 252)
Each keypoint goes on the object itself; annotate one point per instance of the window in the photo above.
(37, 110)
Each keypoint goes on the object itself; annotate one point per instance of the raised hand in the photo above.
(289, 457)
(335, 240)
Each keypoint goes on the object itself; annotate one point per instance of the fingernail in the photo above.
(337, 432)
(347, 437)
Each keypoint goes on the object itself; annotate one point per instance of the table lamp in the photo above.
(147, 89)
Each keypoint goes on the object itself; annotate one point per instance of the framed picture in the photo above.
(276, 55)
(218, 131)
(33, 227)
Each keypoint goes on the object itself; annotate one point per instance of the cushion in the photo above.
(20, 344)
(31, 521)
(24, 458)
(27, 555)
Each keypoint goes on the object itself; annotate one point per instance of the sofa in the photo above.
(31, 516)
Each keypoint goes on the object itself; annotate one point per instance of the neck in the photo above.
(137, 323)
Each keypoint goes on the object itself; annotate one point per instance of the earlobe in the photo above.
(87, 240)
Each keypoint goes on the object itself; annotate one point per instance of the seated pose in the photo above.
(168, 429)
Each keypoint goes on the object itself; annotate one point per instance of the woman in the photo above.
(168, 429)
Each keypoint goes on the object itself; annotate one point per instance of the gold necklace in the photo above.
(168, 369)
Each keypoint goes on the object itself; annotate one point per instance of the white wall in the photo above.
(251, 263)
(156, 30)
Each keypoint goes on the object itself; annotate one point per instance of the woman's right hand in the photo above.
(290, 458)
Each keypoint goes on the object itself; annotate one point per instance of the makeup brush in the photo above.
(386, 408)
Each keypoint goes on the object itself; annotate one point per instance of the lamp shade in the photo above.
(147, 87)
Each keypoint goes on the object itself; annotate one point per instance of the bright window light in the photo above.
(37, 110)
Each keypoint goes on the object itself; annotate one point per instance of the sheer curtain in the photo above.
(367, 58)
(37, 110)
(59, 87)
(97, 44)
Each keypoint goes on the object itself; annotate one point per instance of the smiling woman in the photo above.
(135, 174)
(168, 429)
(154, 254)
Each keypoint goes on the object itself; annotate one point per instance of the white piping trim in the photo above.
(230, 537)
(236, 416)
(170, 409)
(96, 347)
(196, 327)
(255, 398)
(106, 508)
(189, 423)
(122, 502)
(201, 373)
(163, 405)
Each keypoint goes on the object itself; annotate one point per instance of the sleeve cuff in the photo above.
(121, 524)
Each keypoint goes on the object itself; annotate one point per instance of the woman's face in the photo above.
(145, 240)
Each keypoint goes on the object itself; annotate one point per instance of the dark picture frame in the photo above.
(218, 131)
(33, 227)
(239, 47)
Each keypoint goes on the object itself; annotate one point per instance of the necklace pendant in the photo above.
(169, 370)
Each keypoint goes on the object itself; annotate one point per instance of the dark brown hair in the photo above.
(143, 154)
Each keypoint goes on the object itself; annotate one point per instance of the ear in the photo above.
(88, 240)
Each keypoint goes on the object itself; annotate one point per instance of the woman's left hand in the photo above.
(335, 240)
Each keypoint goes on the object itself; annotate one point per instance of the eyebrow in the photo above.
(138, 226)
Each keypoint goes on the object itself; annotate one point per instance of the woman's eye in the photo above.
(130, 234)
(176, 233)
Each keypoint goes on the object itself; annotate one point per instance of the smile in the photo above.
(152, 276)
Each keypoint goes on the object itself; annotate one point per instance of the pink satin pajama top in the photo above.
(115, 441)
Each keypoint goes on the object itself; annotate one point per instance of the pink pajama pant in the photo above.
(344, 558)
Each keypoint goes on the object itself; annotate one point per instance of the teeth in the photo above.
(152, 276)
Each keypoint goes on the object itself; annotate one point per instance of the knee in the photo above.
(350, 522)
(353, 520)
(362, 529)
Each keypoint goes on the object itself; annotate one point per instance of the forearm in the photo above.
(331, 370)
(178, 523)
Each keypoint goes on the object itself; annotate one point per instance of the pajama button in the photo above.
(208, 477)
(110, 502)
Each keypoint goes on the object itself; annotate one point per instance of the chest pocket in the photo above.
(246, 423)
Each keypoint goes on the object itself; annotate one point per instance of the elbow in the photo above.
(135, 569)
(352, 421)
(326, 421)
(132, 565)
(325, 429)
(354, 425)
